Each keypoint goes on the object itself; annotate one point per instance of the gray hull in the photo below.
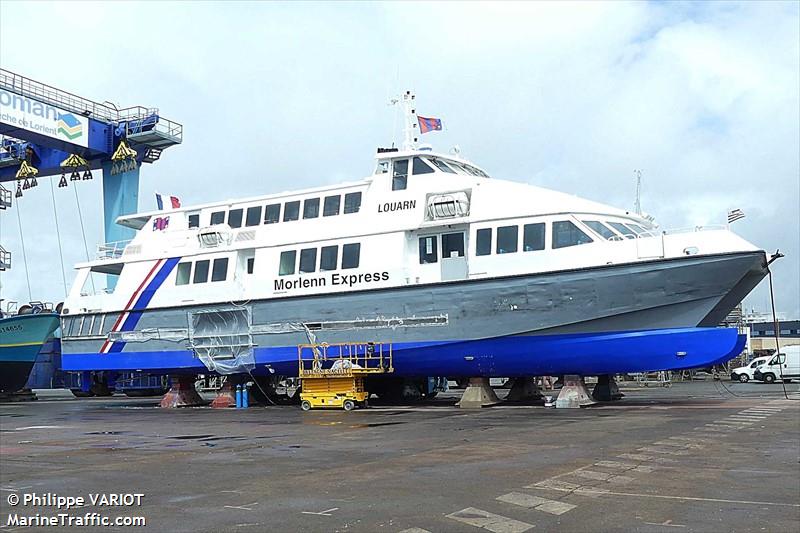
(674, 293)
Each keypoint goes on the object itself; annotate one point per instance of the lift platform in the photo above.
(332, 375)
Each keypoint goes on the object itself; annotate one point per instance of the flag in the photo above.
(174, 201)
(160, 223)
(429, 124)
(734, 215)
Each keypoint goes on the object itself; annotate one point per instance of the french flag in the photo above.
(173, 200)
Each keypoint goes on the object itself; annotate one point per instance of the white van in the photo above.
(784, 365)
(745, 373)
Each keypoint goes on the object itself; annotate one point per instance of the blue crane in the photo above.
(46, 131)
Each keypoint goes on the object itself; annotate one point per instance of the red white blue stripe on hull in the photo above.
(516, 355)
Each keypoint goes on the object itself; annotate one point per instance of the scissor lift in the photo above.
(333, 375)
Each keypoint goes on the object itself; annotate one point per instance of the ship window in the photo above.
(351, 255)
(600, 228)
(272, 214)
(565, 233)
(441, 165)
(533, 237)
(452, 245)
(623, 229)
(220, 270)
(217, 217)
(400, 176)
(329, 256)
(194, 220)
(507, 238)
(311, 208)
(637, 228)
(331, 206)
(201, 271)
(287, 263)
(352, 202)
(97, 323)
(253, 216)
(483, 244)
(184, 274)
(235, 218)
(308, 260)
(421, 167)
(251, 263)
(428, 252)
(291, 211)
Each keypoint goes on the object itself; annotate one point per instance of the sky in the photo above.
(704, 98)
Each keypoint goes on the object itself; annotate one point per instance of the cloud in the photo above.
(573, 96)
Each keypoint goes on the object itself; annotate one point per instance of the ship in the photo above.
(22, 336)
(464, 273)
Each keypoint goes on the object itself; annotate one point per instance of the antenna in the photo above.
(637, 206)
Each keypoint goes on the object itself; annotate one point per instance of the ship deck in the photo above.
(694, 457)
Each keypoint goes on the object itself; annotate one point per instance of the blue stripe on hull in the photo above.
(588, 354)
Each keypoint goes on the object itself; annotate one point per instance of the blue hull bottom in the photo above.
(518, 355)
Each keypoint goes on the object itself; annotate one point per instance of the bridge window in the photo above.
(533, 237)
(253, 216)
(600, 228)
(217, 217)
(220, 270)
(311, 208)
(452, 245)
(441, 165)
(291, 211)
(623, 229)
(308, 260)
(287, 263)
(351, 255)
(183, 275)
(201, 271)
(352, 202)
(194, 220)
(421, 167)
(235, 218)
(272, 214)
(565, 234)
(428, 250)
(637, 228)
(507, 238)
(329, 257)
(331, 206)
(400, 175)
(483, 244)
(251, 263)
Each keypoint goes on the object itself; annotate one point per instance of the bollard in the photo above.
(238, 396)
(246, 395)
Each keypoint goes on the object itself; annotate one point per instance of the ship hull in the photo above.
(594, 320)
(21, 339)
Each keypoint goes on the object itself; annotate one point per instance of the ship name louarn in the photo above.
(397, 206)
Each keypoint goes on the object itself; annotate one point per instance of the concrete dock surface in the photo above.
(698, 456)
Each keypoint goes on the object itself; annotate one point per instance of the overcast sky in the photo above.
(572, 96)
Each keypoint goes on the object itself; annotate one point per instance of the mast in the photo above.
(410, 121)
(637, 206)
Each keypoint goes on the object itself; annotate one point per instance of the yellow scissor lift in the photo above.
(332, 375)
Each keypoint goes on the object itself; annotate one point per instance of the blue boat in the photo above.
(21, 339)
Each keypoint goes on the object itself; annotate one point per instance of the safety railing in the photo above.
(5, 259)
(50, 95)
(344, 359)
(713, 227)
(111, 250)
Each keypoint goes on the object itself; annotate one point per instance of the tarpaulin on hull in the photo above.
(221, 339)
